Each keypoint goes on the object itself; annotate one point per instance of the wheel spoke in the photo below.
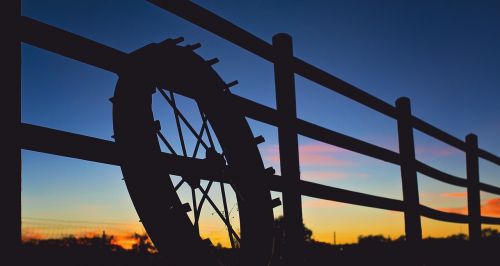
(195, 209)
(178, 123)
(199, 139)
(179, 184)
(200, 205)
(224, 202)
(228, 225)
(183, 118)
(170, 148)
(195, 152)
(205, 124)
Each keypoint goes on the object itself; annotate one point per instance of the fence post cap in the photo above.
(402, 101)
(282, 37)
(471, 138)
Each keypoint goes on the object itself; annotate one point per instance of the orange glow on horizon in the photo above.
(454, 195)
(490, 207)
(122, 233)
(124, 240)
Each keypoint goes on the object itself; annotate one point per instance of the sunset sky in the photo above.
(443, 55)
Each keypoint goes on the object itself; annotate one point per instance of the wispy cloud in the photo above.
(317, 203)
(312, 155)
(322, 159)
(329, 175)
(436, 151)
(489, 207)
(460, 210)
(320, 148)
(453, 195)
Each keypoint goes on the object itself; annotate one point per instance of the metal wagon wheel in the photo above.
(167, 65)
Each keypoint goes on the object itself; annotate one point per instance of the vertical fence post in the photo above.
(413, 228)
(288, 146)
(10, 110)
(473, 198)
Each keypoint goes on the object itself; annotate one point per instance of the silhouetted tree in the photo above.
(143, 244)
(460, 236)
(372, 239)
(400, 239)
(279, 239)
(279, 227)
(490, 233)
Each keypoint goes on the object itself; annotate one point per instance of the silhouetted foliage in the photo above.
(370, 250)
(372, 239)
(143, 244)
(458, 237)
(94, 250)
(279, 225)
(104, 242)
(490, 234)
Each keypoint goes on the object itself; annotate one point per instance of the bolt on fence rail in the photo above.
(286, 64)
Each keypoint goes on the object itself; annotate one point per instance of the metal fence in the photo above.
(286, 65)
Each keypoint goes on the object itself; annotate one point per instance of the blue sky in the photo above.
(442, 54)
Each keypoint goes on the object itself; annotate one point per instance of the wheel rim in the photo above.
(154, 195)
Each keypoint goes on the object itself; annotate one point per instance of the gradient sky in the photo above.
(444, 55)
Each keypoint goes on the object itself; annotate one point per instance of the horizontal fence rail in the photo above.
(489, 188)
(71, 45)
(439, 175)
(46, 140)
(437, 133)
(41, 139)
(443, 216)
(488, 156)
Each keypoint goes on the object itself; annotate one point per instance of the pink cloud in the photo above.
(436, 151)
(324, 175)
(454, 195)
(320, 148)
(315, 148)
(311, 155)
(321, 159)
(319, 175)
(491, 207)
(488, 208)
(317, 203)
